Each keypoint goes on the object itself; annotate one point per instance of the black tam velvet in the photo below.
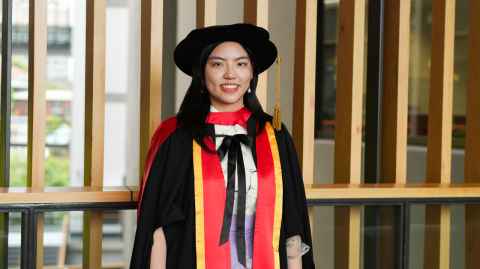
(255, 38)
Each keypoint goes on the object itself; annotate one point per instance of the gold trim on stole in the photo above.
(199, 214)
(277, 221)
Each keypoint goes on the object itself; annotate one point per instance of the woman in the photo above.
(222, 188)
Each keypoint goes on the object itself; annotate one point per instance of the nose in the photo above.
(229, 72)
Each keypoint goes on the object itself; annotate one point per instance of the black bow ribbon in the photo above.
(232, 145)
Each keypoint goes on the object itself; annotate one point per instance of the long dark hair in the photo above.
(196, 103)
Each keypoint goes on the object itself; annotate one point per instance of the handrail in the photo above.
(392, 191)
(314, 192)
(63, 195)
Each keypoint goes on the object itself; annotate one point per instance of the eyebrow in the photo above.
(223, 59)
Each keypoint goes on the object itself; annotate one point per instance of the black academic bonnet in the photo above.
(255, 38)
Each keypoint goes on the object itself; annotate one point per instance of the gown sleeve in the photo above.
(157, 203)
(295, 219)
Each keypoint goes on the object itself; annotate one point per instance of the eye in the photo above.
(215, 64)
(243, 64)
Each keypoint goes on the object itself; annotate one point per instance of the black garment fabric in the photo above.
(168, 201)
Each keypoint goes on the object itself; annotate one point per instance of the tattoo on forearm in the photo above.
(294, 245)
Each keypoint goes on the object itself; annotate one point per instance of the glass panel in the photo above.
(323, 236)
(419, 86)
(460, 72)
(117, 232)
(458, 235)
(65, 93)
(118, 68)
(324, 239)
(418, 245)
(121, 117)
(382, 237)
(62, 239)
(19, 94)
(327, 70)
(420, 60)
(14, 239)
(387, 233)
(58, 125)
(325, 92)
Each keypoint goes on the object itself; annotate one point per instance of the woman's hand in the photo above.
(294, 252)
(158, 256)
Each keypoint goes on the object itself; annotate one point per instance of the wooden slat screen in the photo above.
(395, 91)
(94, 125)
(303, 124)
(349, 103)
(304, 84)
(472, 143)
(37, 81)
(206, 13)
(439, 145)
(394, 118)
(151, 44)
(37, 59)
(348, 126)
(256, 12)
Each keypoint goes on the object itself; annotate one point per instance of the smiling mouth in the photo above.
(229, 87)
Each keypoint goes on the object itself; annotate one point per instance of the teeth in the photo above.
(230, 86)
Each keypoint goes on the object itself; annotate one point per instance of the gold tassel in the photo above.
(277, 121)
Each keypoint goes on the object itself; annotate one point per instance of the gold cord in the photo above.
(277, 121)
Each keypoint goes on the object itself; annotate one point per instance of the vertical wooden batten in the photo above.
(395, 91)
(348, 126)
(256, 12)
(472, 143)
(37, 66)
(37, 76)
(303, 126)
(206, 13)
(439, 145)
(94, 125)
(396, 45)
(151, 53)
(304, 85)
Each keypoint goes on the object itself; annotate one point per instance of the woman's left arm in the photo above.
(294, 252)
(298, 242)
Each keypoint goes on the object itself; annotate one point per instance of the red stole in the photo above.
(161, 133)
(210, 198)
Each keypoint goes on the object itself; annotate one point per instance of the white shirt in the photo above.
(251, 178)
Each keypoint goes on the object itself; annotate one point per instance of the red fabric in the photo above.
(229, 118)
(263, 242)
(161, 133)
(216, 256)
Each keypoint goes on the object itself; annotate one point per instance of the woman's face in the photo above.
(228, 73)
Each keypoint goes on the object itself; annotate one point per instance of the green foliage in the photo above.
(18, 169)
(53, 122)
(20, 61)
(56, 171)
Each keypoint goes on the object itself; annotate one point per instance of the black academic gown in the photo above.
(168, 201)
